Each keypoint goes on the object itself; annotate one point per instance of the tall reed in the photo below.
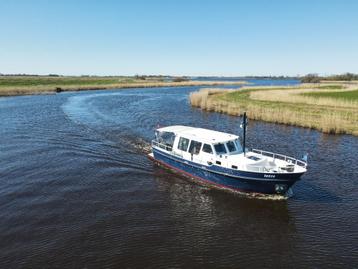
(325, 117)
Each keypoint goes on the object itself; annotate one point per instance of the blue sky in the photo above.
(225, 38)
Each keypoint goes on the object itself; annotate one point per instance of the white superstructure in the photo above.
(208, 147)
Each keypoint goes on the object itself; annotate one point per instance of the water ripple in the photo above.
(77, 190)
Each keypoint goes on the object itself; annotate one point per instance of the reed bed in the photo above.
(10, 86)
(328, 116)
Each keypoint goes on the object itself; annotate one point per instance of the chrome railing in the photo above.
(161, 145)
(280, 157)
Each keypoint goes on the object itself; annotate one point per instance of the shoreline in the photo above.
(324, 107)
(7, 91)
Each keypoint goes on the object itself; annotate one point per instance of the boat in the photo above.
(220, 159)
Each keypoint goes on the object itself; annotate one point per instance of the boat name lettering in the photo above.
(269, 176)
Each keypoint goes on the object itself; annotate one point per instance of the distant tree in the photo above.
(140, 77)
(346, 76)
(180, 79)
(311, 78)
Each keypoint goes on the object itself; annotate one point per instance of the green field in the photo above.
(347, 95)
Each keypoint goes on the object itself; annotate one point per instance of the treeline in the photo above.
(162, 78)
(314, 78)
(144, 77)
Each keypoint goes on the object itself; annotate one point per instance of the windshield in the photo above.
(238, 145)
(231, 146)
(220, 148)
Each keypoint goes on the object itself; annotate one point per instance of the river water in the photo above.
(77, 190)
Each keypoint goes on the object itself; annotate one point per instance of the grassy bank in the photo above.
(24, 85)
(325, 107)
(347, 95)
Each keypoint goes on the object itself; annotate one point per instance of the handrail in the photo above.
(161, 145)
(280, 156)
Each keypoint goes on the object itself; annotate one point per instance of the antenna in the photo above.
(244, 123)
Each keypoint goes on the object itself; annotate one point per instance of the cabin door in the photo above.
(207, 155)
(194, 151)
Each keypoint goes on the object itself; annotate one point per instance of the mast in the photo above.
(244, 122)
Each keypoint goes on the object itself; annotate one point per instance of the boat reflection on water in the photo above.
(205, 211)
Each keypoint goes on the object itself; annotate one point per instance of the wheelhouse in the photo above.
(189, 142)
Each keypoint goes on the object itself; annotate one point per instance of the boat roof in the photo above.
(199, 134)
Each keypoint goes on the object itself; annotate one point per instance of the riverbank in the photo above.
(327, 107)
(26, 85)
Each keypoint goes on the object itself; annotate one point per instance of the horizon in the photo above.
(162, 75)
(221, 39)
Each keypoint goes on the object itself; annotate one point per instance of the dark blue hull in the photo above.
(233, 179)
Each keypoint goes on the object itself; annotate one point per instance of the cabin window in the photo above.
(231, 146)
(207, 148)
(183, 144)
(195, 147)
(220, 149)
(166, 138)
(238, 145)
